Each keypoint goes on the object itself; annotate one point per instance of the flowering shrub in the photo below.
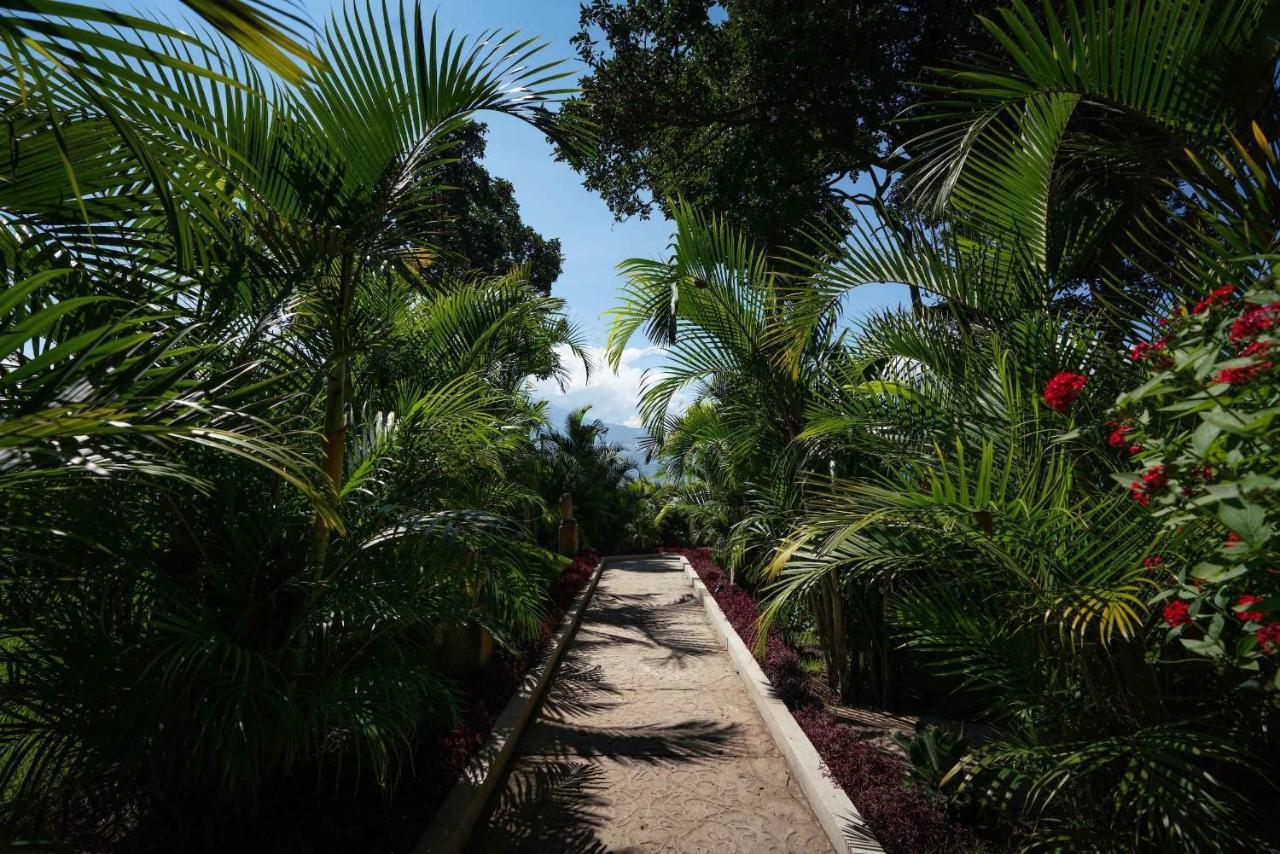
(1204, 431)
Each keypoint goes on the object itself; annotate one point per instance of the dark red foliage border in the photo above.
(484, 696)
(907, 818)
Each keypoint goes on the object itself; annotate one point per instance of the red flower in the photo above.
(1063, 390)
(1152, 561)
(1216, 295)
(1254, 321)
(1117, 437)
(1143, 350)
(1257, 348)
(1246, 600)
(1153, 480)
(1241, 375)
(1135, 449)
(1177, 613)
(1232, 539)
(1268, 637)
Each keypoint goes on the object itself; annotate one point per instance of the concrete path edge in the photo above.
(835, 812)
(455, 819)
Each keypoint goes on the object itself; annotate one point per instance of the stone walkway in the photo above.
(647, 740)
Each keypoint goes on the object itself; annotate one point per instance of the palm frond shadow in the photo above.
(686, 741)
(554, 806)
(580, 689)
(642, 624)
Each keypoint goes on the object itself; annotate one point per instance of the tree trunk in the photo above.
(335, 410)
(844, 681)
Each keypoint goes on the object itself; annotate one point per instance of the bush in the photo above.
(1204, 433)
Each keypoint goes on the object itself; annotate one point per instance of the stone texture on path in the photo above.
(647, 740)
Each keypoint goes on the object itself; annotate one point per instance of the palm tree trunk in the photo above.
(335, 410)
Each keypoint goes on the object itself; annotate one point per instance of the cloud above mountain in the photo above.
(613, 395)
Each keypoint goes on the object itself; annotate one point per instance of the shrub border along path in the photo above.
(453, 822)
(838, 816)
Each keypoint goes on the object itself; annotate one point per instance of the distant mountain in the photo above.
(627, 437)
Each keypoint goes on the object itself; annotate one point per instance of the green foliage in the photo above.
(758, 109)
(933, 750)
(581, 461)
(1202, 429)
(258, 473)
(916, 488)
(484, 232)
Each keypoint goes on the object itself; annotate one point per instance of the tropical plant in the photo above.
(1202, 429)
(255, 467)
(954, 490)
(579, 460)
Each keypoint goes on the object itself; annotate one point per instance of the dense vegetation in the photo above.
(271, 481)
(268, 465)
(1044, 498)
(763, 110)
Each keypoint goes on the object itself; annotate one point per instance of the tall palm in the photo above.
(361, 142)
(188, 250)
(986, 504)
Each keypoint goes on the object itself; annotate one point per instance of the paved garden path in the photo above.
(647, 740)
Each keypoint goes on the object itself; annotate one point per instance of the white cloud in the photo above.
(614, 396)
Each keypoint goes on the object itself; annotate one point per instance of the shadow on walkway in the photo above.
(553, 806)
(666, 629)
(645, 765)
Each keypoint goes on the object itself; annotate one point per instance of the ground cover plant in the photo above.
(903, 815)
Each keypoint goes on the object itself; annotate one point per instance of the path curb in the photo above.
(836, 813)
(452, 824)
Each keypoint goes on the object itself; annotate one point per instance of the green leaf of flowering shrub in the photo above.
(1210, 648)
(1216, 573)
(1202, 438)
(1247, 519)
(1227, 421)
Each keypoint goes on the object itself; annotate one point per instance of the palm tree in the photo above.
(202, 266)
(581, 461)
(941, 503)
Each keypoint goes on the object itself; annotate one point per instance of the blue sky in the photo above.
(553, 200)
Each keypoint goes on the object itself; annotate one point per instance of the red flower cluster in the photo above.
(1117, 437)
(1063, 390)
(1255, 320)
(1153, 480)
(1268, 637)
(1214, 296)
(1257, 348)
(1240, 375)
(1143, 349)
(1152, 561)
(1246, 600)
(1177, 613)
(1232, 539)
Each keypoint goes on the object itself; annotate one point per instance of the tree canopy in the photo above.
(758, 109)
(484, 231)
